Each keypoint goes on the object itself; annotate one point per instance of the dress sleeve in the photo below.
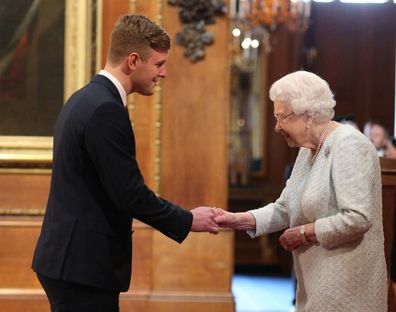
(272, 217)
(356, 179)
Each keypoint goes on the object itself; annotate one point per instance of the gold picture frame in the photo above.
(83, 21)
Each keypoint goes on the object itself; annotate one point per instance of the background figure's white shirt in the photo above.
(118, 85)
(341, 193)
(381, 152)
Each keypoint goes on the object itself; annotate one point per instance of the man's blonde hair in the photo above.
(136, 33)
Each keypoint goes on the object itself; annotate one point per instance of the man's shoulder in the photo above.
(102, 82)
(95, 91)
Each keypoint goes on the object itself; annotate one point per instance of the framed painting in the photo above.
(48, 49)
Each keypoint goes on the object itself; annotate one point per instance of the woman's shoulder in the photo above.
(346, 134)
(348, 138)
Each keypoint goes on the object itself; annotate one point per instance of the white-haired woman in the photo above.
(331, 205)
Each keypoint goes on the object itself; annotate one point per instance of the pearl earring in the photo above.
(307, 126)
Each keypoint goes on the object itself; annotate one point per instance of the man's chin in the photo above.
(147, 92)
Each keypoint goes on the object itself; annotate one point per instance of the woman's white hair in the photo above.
(305, 92)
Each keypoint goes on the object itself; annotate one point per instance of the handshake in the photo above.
(210, 219)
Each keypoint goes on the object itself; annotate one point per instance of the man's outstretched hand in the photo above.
(203, 220)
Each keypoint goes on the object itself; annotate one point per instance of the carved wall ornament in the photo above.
(195, 15)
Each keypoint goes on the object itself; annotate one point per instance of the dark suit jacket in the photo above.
(96, 190)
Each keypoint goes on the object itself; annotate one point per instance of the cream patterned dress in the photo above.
(341, 193)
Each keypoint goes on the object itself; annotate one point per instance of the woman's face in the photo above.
(290, 125)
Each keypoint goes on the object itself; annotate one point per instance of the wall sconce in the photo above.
(195, 15)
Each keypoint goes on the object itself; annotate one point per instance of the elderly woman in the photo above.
(331, 205)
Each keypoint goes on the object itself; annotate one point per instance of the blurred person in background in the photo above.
(391, 149)
(347, 120)
(379, 137)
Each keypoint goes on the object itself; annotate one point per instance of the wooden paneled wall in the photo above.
(388, 176)
(181, 134)
(23, 195)
(355, 45)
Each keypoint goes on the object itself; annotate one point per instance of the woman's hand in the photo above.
(238, 221)
(293, 238)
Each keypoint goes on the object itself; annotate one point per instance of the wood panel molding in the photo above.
(185, 273)
(23, 192)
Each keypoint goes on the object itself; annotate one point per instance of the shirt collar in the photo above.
(117, 83)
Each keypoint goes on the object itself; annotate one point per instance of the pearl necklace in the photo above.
(321, 138)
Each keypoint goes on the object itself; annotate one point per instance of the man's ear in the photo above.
(133, 60)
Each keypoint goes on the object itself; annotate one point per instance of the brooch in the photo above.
(327, 151)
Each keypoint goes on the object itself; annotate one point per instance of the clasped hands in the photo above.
(210, 219)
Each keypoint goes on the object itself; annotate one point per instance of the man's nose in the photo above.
(163, 73)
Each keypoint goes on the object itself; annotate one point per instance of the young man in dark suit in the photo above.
(83, 254)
